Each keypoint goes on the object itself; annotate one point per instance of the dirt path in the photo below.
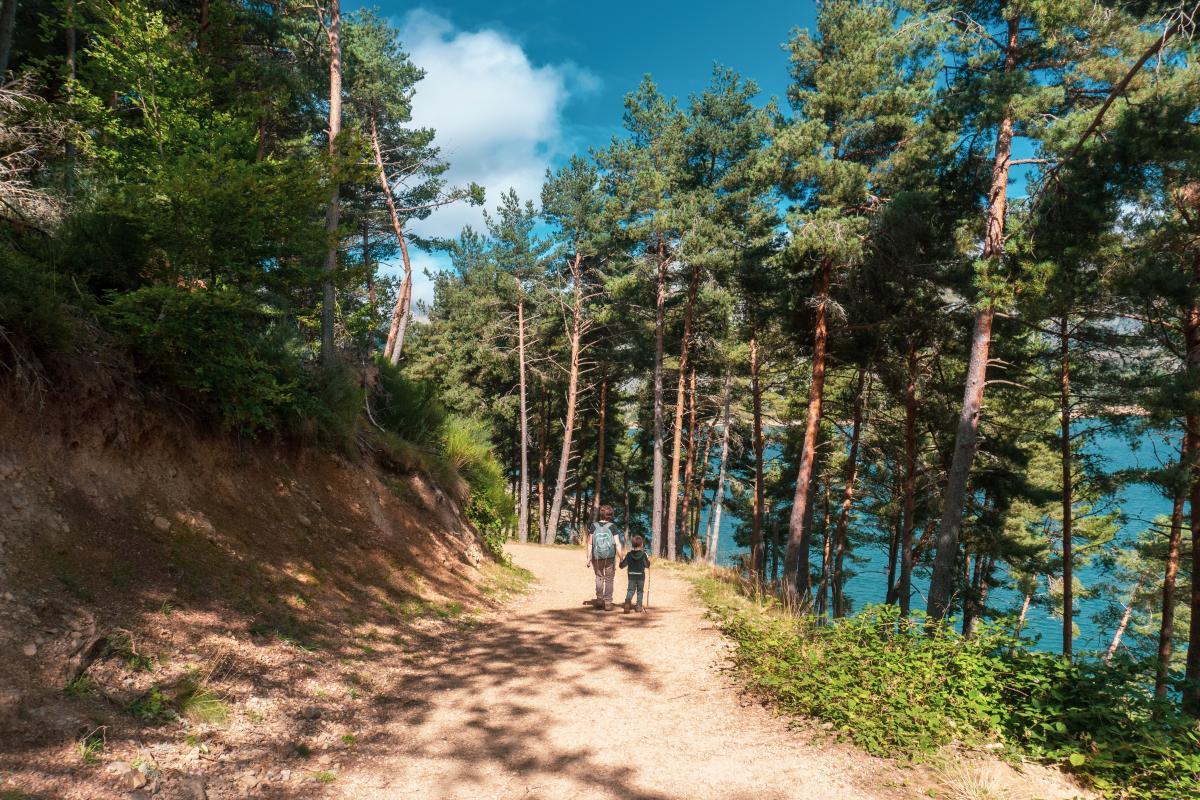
(558, 701)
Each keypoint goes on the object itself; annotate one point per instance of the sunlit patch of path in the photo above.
(554, 700)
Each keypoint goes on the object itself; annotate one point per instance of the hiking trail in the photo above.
(552, 699)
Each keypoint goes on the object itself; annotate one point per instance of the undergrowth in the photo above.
(895, 688)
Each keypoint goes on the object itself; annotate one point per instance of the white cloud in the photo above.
(498, 117)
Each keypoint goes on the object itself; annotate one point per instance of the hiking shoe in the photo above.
(639, 608)
(608, 606)
(598, 605)
(628, 606)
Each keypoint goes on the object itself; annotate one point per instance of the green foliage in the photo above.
(31, 304)
(409, 408)
(90, 747)
(467, 447)
(233, 357)
(896, 687)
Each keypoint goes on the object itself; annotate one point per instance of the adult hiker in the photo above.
(603, 548)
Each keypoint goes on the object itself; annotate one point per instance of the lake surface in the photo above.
(1140, 505)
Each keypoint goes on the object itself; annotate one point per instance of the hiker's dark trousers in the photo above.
(606, 570)
(636, 584)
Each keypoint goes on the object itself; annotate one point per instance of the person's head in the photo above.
(605, 513)
(638, 542)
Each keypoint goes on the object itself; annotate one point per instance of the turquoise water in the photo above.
(1139, 503)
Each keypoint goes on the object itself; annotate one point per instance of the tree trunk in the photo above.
(1166, 630)
(861, 394)
(714, 516)
(893, 551)
(757, 556)
(596, 499)
(908, 517)
(941, 585)
(796, 577)
(543, 462)
(703, 465)
(333, 210)
(1191, 688)
(625, 521)
(1024, 613)
(658, 541)
(676, 444)
(1123, 625)
(367, 266)
(564, 458)
(8, 25)
(1068, 495)
(523, 495)
(399, 323)
(826, 558)
(69, 166)
(689, 461)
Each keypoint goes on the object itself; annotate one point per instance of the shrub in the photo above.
(222, 349)
(406, 407)
(896, 688)
(31, 304)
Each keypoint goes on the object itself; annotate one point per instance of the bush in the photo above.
(467, 447)
(222, 349)
(894, 688)
(406, 407)
(31, 304)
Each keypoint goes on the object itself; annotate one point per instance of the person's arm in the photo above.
(624, 561)
(587, 545)
(646, 556)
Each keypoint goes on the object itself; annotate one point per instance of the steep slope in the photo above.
(176, 604)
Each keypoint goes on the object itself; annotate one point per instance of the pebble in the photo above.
(162, 523)
(30, 650)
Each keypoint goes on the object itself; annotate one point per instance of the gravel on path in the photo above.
(555, 700)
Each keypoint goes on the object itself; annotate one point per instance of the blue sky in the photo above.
(516, 86)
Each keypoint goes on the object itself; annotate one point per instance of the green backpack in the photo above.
(604, 544)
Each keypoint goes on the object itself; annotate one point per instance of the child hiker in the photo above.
(603, 548)
(637, 562)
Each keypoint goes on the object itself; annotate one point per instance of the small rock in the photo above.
(303, 520)
(9, 596)
(30, 650)
(285, 775)
(162, 523)
(194, 788)
(311, 712)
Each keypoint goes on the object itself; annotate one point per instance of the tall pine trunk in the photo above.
(333, 210)
(660, 321)
(908, 516)
(941, 585)
(564, 458)
(1068, 494)
(796, 577)
(71, 34)
(861, 394)
(689, 461)
(680, 398)
(523, 495)
(1191, 689)
(8, 25)
(596, 499)
(1166, 630)
(543, 461)
(395, 340)
(714, 515)
(757, 556)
